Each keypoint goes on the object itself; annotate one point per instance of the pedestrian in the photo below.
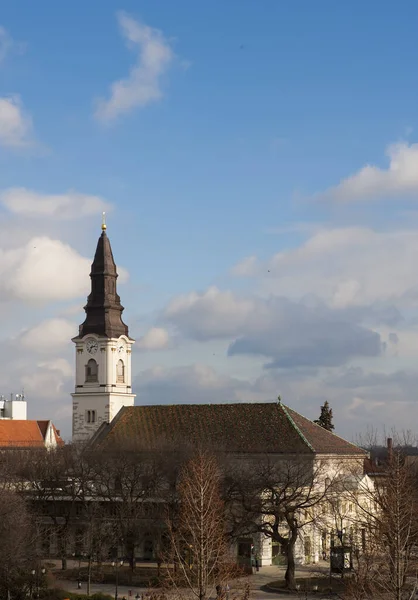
(257, 563)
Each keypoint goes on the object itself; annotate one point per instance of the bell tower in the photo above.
(103, 350)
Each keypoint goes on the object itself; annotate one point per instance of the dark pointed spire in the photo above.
(103, 308)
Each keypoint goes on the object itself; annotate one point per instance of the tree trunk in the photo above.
(63, 549)
(89, 576)
(290, 557)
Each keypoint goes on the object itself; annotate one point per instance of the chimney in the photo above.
(390, 449)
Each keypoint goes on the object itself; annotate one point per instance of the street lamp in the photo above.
(116, 564)
(32, 579)
(35, 581)
(79, 556)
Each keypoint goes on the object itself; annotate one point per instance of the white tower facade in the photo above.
(103, 351)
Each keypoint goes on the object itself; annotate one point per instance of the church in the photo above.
(104, 411)
(103, 351)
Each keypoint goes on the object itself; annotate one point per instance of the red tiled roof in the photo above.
(25, 433)
(245, 427)
(20, 433)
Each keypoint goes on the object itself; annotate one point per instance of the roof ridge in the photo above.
(270, 403)
(331, 432)
(284, 408)
(107, 427)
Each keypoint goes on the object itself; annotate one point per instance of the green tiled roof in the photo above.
(239, 428)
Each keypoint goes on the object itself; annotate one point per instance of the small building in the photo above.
(14, 408)
(29, 434)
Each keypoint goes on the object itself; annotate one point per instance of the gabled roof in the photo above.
(323, 441)
(57, 433)
(25, 433)
(239, 428)
(43, 426)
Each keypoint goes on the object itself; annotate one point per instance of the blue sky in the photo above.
(259, 253)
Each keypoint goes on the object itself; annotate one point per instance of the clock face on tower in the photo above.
(121, 349)
(92, 346)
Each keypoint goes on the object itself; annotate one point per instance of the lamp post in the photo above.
(35, 581)
(78, 556)
(32, 579)
(116, 564)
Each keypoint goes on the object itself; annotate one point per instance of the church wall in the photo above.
(97, 402)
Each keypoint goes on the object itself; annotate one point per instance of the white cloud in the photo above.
(350, 266)
(49, 336)
(43, 270)
(290, 334)
(192, 384)
(246, 268)
(44, 383)
(71, 205)
(15, 124)
(6, 43)
(224, 313)
(47, 382)
(156, 338)
(61, 365)
(371, 182)
(143, 85)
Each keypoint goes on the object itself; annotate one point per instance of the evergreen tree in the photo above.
(325, 418)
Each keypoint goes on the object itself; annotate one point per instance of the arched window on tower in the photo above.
(120, 372)
(92, 370)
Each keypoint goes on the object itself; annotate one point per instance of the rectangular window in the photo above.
(120, 372)
(91, 416)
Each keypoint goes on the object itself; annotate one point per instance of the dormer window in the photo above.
(120, 372)
(92, 371)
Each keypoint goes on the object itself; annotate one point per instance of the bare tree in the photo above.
(198, 546)
(49, 480)
(387, 513)
(17, 544)
(278, 499)
(130, 483)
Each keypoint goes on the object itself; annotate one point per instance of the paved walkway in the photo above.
(257, 581)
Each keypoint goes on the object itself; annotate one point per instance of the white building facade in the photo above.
(13, 408)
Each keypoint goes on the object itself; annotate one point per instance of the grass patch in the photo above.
(322, 584)
(57, 594)
(140, 576)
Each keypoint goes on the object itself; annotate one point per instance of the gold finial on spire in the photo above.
(103, 221)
